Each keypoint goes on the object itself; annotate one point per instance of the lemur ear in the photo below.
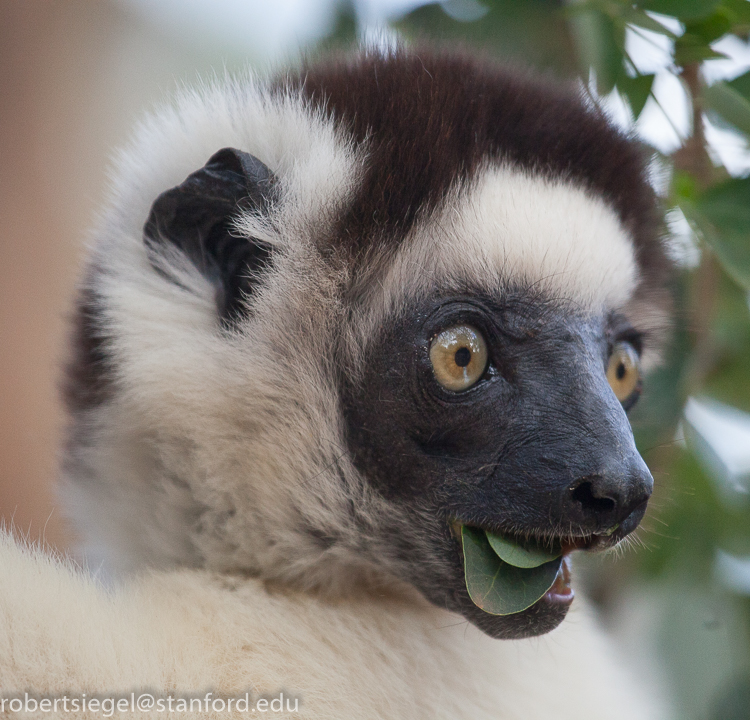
(197, 217)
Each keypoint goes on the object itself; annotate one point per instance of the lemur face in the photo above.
(411, 294)
(493, 393)
(495, 412)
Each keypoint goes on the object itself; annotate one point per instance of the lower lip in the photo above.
(561, 593)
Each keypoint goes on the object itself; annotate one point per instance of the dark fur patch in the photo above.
(87, 382)
(431, 118)
(197, 217)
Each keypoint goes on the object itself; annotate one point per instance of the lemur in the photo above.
(335, 327)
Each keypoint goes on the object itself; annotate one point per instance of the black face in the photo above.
(530, 441)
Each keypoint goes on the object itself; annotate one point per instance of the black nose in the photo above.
(614, 499)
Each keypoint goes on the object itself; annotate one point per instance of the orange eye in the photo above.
(624, 371)
(459, 357)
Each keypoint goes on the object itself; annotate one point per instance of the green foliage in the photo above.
(742, 85)
(530, 31)
(344, 32)
(685, 10)
(636, 90)
(729, 104)
(724, 212)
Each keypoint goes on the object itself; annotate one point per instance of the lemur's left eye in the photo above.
(624, 374)
(459, 357)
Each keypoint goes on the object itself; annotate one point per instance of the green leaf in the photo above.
(637, 90)
(730, 104)
(682, 9)
(711, 28)
(527, 555)
(499, 588)
(600, 41)
(723, 212)
(741, 84)
(739, 11)
(692, 48)
(343, 34)
(533, 33)
(641, 19)
(684, 187)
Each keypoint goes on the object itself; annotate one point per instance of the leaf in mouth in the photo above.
(521, 555)
(497, 587)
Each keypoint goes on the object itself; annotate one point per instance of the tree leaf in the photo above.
(499, 588)
(732, 106)
(637, 90)
(682, 9)
(741, 84)
(641, 19)
(343, 34)
(534, 33)
(684, 188)
(692, 48)
(739, 11)
(723, 213)
(711, 28)
(600, 41)
(526, 555)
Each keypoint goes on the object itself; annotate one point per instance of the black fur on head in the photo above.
(431, 118)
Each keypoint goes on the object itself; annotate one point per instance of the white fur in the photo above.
(197, 403)
(190, 632)
(512, 227)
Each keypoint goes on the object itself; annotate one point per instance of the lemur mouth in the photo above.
(561, 592)
(507, 573)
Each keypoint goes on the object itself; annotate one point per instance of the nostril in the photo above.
(584, 494)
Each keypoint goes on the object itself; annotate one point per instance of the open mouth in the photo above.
(506, 574)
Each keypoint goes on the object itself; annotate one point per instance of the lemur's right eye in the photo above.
(459, 357)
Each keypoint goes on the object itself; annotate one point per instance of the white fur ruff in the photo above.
(190, 632)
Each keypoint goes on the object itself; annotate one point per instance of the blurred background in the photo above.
(75, 75)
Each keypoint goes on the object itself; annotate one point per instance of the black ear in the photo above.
(197, 215)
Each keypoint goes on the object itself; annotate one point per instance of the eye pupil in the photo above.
(463, 357)
(621, 370)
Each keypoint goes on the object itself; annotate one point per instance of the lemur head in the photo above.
(331, 320)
